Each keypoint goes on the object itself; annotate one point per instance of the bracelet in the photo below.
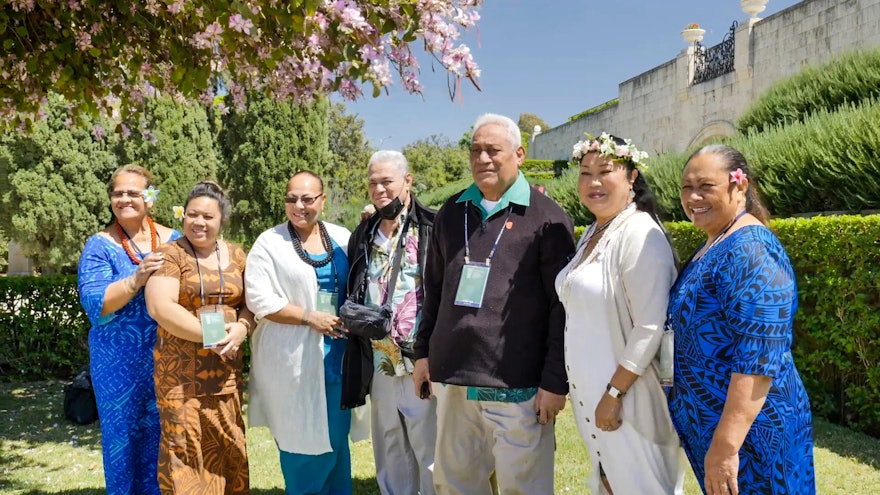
(130, 285)
(246, 325)
(305, 318)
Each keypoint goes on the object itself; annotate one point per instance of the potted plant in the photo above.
(692, 33)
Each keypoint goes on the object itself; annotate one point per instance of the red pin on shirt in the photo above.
(509, 224)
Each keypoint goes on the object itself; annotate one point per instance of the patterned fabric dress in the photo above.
(121, 362)
(732, 312)
(203, 448)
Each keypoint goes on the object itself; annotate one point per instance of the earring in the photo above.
(632, 195)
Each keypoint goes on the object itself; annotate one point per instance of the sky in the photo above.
(551, 58)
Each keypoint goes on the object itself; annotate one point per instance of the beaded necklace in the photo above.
(303, 255)
(127, 243)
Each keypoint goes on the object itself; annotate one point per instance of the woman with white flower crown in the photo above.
(114, 267)
(615, 290)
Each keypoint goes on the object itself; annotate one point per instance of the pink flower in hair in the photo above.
(737, 176)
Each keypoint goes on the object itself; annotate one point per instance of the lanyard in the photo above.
(467, 248)
(199, 270)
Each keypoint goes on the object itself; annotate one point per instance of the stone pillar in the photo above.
(19, 263)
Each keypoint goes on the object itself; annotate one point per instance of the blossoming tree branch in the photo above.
(107, 55)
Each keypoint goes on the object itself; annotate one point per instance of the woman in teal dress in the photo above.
(737, 402)
(295, 282)
(114, 266)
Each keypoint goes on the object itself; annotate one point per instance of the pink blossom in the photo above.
(98, 132)
(83, 40)
(621, 151)
(126, 132)
(240, 24)
(737, 176)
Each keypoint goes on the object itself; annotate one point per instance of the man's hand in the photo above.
(422, 378)
(548, 405)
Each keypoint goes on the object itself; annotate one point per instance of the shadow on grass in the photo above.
(847, 443)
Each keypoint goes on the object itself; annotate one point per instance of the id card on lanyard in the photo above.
(326, 302)
(213, 322)
(475, 275)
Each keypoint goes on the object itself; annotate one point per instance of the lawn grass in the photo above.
(42, 453)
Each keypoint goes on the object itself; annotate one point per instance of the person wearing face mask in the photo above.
(404, 428)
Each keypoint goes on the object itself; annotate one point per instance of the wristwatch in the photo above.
(614, 391)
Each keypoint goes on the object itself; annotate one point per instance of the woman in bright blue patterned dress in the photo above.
(114, 266)
(738, 402)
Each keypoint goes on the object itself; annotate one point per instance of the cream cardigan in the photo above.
(287, 361)
(639, 270)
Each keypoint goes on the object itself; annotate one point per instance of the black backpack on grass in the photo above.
(79, 399)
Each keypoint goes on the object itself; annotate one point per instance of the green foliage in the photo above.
(437, 196)
(847, 79)
(836, 342)
(262, 147)
(564, 190)
(54, 187)
(435, 162)
(828, 162)
(528, 121)
(183, 152)
(347, 174)
(595, 109)
(45, 331)
(554, 167)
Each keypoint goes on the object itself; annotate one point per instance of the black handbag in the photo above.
(79, 399)
(368, 321)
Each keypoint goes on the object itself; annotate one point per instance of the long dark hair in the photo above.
(732, 160)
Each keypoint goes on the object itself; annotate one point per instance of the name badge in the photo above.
(472, 285)
(326, 302)
(213, 328)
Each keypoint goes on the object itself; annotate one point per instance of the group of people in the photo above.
(492, 316)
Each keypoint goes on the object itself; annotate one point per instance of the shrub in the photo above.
(829, 162)
(45, 331)
(837, 327)
(850, 78)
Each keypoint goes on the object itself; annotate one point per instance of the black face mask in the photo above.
(392, 209)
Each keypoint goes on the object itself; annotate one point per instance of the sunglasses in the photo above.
(306, 200)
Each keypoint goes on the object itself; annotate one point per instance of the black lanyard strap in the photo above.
(199, 270)
(467, 247)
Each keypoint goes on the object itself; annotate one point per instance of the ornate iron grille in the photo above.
(714, 61)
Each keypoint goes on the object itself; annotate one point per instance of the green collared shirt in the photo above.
(518, 193)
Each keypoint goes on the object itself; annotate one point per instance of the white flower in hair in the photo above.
(606, 146)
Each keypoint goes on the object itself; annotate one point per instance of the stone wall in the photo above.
(661, 111)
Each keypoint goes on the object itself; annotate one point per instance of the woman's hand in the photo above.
(149, 264)
(325, 323)
(608, 413)
(722, 469)
(236, 333)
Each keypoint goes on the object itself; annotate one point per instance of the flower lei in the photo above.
(127, 243)
(605, 146)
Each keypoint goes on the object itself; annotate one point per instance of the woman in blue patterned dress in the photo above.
(738, 402)
(114, 266)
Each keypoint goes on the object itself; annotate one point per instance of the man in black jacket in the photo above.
(491, 335)
(404, 428)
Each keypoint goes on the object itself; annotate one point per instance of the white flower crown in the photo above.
(605, 146)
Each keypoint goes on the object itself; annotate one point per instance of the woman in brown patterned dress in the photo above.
(202, 448)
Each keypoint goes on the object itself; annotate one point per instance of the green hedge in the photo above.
(545, 168)
(43, 329)
(851, 78)
(829, 162)
(837, 328)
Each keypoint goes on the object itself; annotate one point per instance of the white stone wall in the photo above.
(661, 112)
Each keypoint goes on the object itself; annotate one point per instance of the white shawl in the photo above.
(287, 361)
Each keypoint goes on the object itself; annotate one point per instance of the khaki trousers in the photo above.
(478, 438)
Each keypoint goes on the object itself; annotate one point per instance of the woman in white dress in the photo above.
(615, 292)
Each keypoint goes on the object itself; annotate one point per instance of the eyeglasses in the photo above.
(306, 200)
(130, 194)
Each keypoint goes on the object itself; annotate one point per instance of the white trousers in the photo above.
(404, 436)
(477, 438)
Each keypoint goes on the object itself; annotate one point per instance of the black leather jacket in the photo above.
(357, 365)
